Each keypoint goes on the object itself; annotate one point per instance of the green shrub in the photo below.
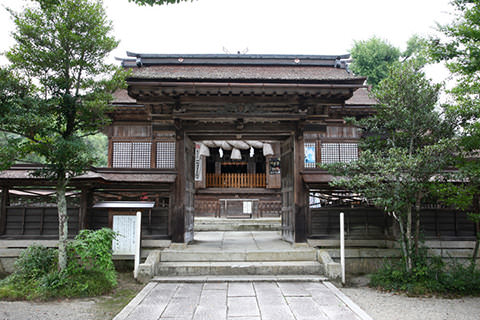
(429, 276)
(36, 261)
(90, 270)
(94, 252)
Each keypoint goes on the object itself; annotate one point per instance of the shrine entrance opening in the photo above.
(239, 180)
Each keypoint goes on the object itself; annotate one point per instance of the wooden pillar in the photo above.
(85, 203)
(178, 217)
(3, 210)
(299, 187)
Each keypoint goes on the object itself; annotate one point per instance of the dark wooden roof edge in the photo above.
(235, 59)
(22, 172)
(346, 83)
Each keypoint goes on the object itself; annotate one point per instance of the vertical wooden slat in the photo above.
(3, 210)
(42, 218)
(24, 213)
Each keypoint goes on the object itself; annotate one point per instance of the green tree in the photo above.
(57, 90)
(371, 58)
(404, 148)
(459, 48)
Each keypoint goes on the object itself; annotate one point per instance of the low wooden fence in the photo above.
(29, 222)
(372, 223)
(236, 180)
(215, 208)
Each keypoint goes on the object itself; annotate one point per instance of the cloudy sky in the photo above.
(260, 26)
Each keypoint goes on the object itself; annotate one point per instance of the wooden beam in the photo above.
(85, 201)
(178, 212)
(300, 193)
(3, 210)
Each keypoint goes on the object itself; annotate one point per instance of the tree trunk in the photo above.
(403, 244)
(477, 244)
(417, 224)
(476, 209)
(62, 224)
(409, 238)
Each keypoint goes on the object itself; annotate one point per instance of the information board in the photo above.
(124, 225)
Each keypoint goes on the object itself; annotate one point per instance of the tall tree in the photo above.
(404, 148)
(459, 48)
(57, 90)
(372, 57)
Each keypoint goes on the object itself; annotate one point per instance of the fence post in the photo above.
(138, 242)
(342, 246)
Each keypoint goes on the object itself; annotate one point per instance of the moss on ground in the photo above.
(111, 305)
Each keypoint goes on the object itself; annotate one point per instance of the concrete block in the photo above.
(333, 270)
(146, 270)
(7, 265)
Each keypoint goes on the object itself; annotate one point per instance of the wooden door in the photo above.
(287, 171)
(189, 171)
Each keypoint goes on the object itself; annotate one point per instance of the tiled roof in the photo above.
(241, 67)
(361, 97)
(243, 73)
(121, 96)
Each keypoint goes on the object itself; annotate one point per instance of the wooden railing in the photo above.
(236, 180)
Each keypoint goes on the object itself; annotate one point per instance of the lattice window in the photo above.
(141, 154)
(166, 155)
(122, 154)
(131, 154)
(339, 152)
(310, 159)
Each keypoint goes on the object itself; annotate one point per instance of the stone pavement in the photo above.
(238, 240)
(241, 300)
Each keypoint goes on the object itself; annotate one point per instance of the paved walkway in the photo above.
(238, 240)
(239, 300)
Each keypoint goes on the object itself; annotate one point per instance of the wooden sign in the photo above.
(124, 225)
(198, 163)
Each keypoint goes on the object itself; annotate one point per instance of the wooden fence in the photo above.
(236, 180)
(33, 222)
(372, 223)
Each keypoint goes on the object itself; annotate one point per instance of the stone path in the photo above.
(240, 300)
(238, 240)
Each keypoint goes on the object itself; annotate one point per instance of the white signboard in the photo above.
(125, 241)
(247, 207)
(198, 163)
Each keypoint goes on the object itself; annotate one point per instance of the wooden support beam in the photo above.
(85, 202)
(300, 193)
(178, 211)
(3, 210)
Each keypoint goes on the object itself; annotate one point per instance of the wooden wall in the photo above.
(33, 222)
(372, 223)
(154, 221)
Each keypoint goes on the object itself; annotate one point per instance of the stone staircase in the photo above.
(224, 224)
(238, 253)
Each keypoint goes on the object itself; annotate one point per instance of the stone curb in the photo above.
(122, 315)
(279, 278)
(350, 304)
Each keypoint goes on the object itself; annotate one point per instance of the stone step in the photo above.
(298, 254)
(240, 268)
(222, 224)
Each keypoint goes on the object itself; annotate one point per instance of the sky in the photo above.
(259, 26)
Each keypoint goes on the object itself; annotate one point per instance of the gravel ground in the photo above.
(66, 310)
(388, 306)
(98, 308)
(379, 305)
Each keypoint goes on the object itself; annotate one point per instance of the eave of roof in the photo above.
(234, 59)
